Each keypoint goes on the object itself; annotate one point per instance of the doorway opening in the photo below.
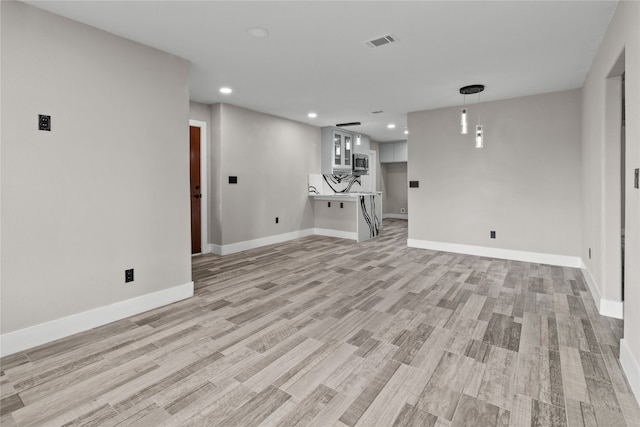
(198, 187)
(622, 177)
(614, 188)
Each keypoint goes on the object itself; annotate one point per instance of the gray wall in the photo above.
(394, 188)
(600, 219)
(524, 183)
(272, 158)
(108, 188)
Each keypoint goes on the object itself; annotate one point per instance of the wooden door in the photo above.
(196, 195)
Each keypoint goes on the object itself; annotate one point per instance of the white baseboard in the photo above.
(395, 216)
(232, 248)
(539, 258)
(43, 333)
(278, 238)
(351, 235)
(631, 368)
(606, 307)
(215, 249)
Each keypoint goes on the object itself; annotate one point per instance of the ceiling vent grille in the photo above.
(381, 41)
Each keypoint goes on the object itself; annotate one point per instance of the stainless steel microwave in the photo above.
(360, 164)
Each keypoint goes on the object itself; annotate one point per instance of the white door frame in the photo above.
(204, 167)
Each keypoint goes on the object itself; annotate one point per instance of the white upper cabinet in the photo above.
(337, 149)
(386, 152)
(394, 152)
(342, 151)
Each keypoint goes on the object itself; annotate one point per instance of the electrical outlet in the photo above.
(492, 234)
(44, 122)
(277, 220)
(128, 275)
(341, 205)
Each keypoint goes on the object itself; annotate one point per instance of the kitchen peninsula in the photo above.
(342, 209)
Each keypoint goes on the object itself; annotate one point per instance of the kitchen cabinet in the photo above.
(394, 152)
(337, 148)
(342, 151)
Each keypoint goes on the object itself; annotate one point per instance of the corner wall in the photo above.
(272, 158)
(107, 189)
(599, 223)
(524, 183)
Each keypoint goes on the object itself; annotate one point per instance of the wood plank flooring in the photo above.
(326, 332)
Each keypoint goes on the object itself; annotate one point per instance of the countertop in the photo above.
(343, 196)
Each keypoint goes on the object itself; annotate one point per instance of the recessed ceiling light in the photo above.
(225, 90)
(406, 132)
(259, 33)
(312, 115)
(391, 126)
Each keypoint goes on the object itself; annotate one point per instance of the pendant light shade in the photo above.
(464, 126)
(479, 136)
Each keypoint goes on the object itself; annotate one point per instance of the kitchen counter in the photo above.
(355, 216)
(340, 196)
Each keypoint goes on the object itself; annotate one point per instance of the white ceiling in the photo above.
(315, 58)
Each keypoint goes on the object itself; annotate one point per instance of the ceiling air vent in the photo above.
(381, 41)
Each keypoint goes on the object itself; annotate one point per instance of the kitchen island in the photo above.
(355, 216)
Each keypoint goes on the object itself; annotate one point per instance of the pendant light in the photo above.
(479, 136)
(464, 127)
(464, 124)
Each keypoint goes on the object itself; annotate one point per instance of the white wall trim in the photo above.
(351, 235)
(536, 257)
(204, 167)
(232, 248)
(43, 333)
(630, 367)
(395, 216)
(215, 249)
(606, 307)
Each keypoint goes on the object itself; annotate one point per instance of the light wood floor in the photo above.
(326, 332)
